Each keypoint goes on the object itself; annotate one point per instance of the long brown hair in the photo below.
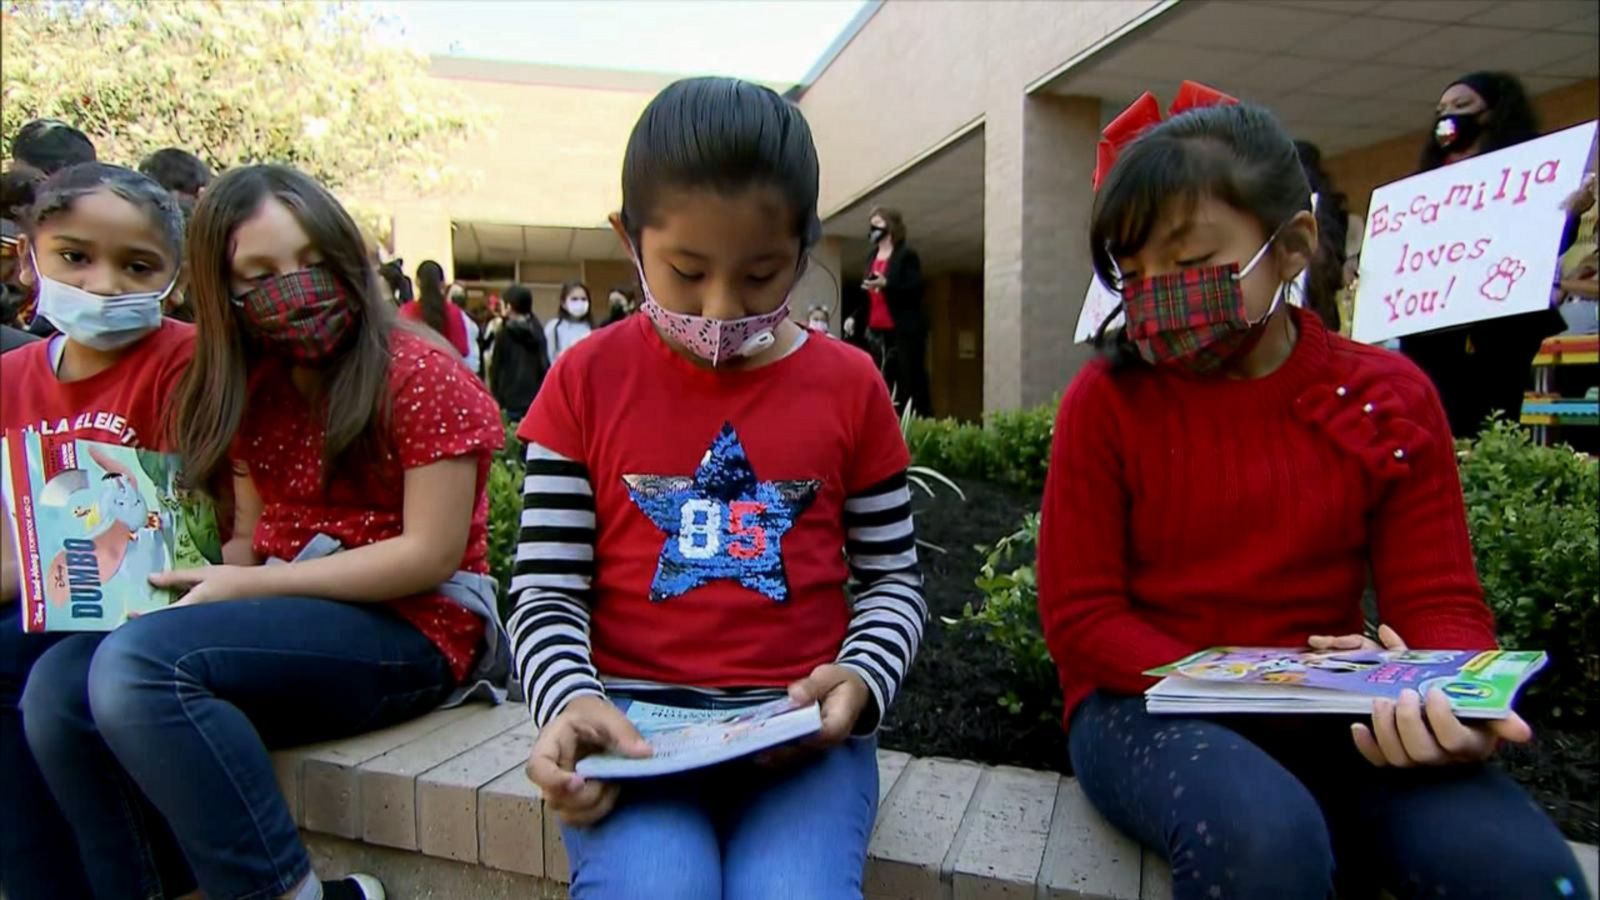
(430, 294)
(892, 218)
(214, 395)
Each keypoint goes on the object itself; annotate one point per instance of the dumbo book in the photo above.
(92, 522)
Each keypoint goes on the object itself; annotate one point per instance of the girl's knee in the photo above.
(1282, 850)
(54, 703)
(128, 663)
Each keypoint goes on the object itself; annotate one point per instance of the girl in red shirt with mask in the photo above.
(1230, 476)
(358, 450)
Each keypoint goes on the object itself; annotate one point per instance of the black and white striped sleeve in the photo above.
(886, 583)
(551, 585)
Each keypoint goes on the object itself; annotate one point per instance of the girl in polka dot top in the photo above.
(355, 593)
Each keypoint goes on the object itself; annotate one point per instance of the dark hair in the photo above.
(16, 192)
(430, 294)
(393, 273)
(724, 134)
(626, 290)
(60, 191)
(892, 218)
(568, 287)
(1508, 116)
(1333, 226)
(214, 393)
(178, 171)
(520, 299)
(1238, 155)
(51, 145)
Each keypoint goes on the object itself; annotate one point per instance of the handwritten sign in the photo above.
(1470, 241)
(1100, 301)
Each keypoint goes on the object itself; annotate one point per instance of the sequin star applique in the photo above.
(721, 524)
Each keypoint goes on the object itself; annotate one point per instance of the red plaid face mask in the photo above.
(304, 315)
(1194, 319)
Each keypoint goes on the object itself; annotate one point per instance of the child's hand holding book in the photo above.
(586, 725)
(1417, 732)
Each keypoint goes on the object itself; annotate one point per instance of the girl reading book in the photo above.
(703, 479)
(355, 594)
(1226, 475)
(101, 247)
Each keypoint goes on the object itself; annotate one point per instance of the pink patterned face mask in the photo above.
(717, 341)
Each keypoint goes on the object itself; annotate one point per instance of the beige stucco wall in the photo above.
(919, 72)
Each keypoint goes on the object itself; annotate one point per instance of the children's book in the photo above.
(92, 522)
(683, 739)
(1479, 685)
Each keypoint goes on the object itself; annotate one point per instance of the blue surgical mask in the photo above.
(96, 321)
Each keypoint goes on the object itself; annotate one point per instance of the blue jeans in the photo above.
(38, 856)
(737, 832)
(154, 737)
(1285, 808)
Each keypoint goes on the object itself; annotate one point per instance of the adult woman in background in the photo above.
(1333, 225)
(572, 323)
(1482, 368)
(521, 357)
(433, 310)
(895, 315)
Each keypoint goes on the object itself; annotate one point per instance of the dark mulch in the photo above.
(951, 702)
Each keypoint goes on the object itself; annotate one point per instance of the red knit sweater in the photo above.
(1182, 513)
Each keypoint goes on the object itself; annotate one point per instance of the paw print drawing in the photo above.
(1502, 276)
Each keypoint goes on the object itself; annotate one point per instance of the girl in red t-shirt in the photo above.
(1234, 475)
(359, 452)
(704, 481)
(101, 248)
(432, 309)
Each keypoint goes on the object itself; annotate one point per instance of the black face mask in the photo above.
(875, 235)
(1458, 130)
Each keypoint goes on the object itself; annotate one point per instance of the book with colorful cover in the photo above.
(1479, 684)
(92, 522)
(686, 738)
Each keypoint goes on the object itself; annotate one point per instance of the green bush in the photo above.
(1010, 448)
(1008, 615)
(505, 515)
(1532, 513)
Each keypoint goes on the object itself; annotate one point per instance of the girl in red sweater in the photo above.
(1230, 473)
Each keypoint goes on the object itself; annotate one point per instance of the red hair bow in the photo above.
(1145, 112)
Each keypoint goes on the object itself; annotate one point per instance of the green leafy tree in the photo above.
(321, 86)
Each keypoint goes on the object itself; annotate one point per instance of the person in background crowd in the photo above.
(16, 196)
(521, 358)
(817, 320)
(1484, 368)
(358, 451)
(572, 324)
(44, 147)
(458, 298)
(1578, 286)
(622, 299)
(713, 388)
(186, 176)
(432, 309)
(1333, 225)
(895, 317)
(1195, 475)
(49, 145)
(179, 171)
(493, 316)
(393, 274)
(101, 246)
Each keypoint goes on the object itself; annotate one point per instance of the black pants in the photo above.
(1483, 368)
(902, 355)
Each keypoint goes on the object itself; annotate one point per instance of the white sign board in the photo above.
(1100, 301)
(1469, 241)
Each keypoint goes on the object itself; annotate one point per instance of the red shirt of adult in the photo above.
(879, 318)
(625, 405)
(439, 411)
(455, 323)
(1182, 513)
(125, 404)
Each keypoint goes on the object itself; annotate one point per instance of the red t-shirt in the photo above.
(1183, 513)
(879, 318)
(440, 411)
(455, 323)
(125, 404)
(751, 468)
